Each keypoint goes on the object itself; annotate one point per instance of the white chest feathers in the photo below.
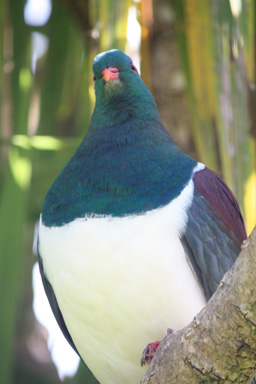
(120, 283)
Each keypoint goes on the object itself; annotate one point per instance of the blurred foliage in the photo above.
(45, 109)
(217, 46)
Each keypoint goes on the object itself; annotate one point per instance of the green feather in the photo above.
(127, 163)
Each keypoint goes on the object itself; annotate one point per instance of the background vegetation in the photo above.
(198, 58)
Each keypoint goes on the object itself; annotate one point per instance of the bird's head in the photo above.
(119, 87)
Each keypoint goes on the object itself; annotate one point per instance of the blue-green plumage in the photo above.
(126, 164)
(118, 173)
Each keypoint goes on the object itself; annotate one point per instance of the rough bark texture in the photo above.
(219, 345)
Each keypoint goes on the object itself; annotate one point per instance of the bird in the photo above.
(134, 235)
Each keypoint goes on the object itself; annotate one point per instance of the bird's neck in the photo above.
(122, 110)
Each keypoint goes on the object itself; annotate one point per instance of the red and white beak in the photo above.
(110, 74)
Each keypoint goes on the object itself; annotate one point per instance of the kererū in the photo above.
(134, 235)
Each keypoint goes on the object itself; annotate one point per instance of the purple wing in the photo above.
(215, 230)
(220, 198)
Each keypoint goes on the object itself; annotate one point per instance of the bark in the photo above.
(219, 345)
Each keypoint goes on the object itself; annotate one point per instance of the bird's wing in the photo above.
(54, 305)
(214, 232)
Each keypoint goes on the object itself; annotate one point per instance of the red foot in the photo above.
(150, 350)
(148, 353)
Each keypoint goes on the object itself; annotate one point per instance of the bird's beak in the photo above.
(110, 74)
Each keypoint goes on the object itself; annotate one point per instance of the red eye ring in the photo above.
(94, 78)
(133, 68)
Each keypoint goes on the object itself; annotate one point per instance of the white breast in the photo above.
(120, 283)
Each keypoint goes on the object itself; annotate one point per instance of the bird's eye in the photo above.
(94, 78)
(133, 68)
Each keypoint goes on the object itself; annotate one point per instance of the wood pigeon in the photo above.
(134, 235)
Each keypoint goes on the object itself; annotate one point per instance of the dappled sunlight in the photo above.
(21, 168)
(43, 143)
(250, 202)
(133, 35)
(37, 12)
(236, 7)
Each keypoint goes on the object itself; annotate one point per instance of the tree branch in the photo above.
(219, 345)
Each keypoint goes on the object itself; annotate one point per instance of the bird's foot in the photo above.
(150, 350)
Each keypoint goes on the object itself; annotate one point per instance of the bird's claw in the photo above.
(148, 353)
(150, 350)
